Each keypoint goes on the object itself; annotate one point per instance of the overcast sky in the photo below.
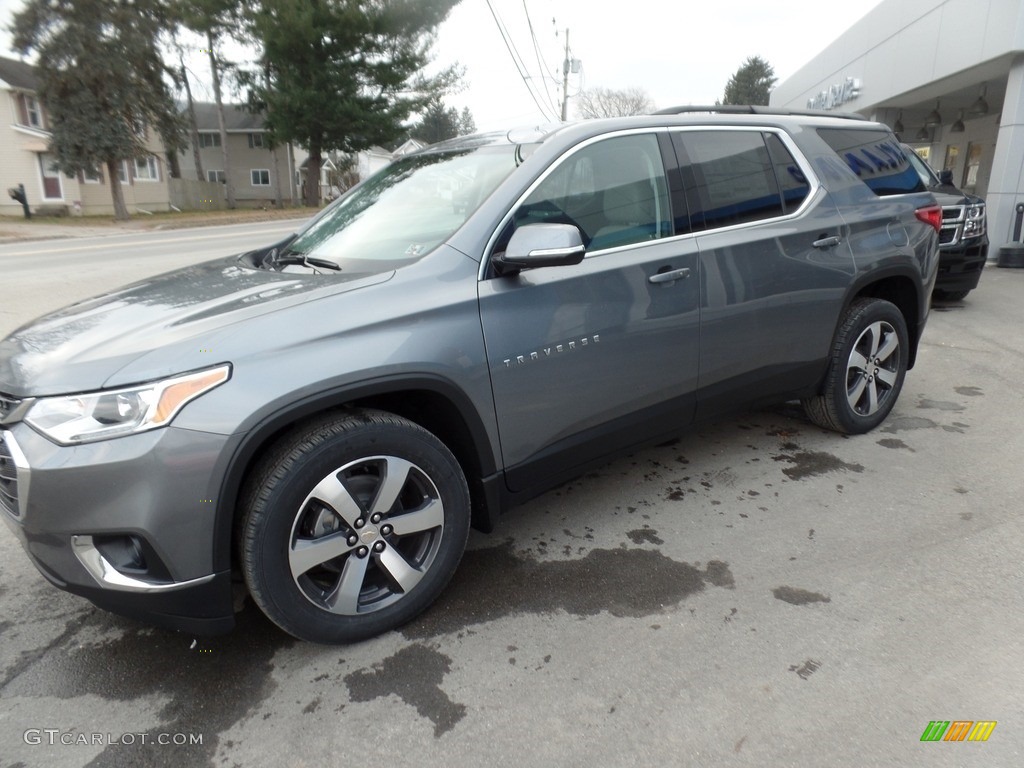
(680, 53)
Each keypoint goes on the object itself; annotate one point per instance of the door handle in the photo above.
(671, 276)
(826, 242)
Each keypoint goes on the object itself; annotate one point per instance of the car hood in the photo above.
(946, 195)
(83, 346)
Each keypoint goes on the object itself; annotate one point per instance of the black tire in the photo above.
(944, 295)
(865, 372)
(352, 525)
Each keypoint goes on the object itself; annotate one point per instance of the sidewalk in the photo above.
(14, 230)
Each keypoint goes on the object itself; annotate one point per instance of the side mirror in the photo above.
(946, 177)
(541, 245)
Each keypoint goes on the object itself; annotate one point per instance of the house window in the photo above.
(33, 112)
(147, 169)
(93, 176)
(217, 176)
(255, 141)
(260, 177)
(51, 178)
(122, 171)
(207, 140)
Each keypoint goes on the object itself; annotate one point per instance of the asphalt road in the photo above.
(39, 276)
(758, 593)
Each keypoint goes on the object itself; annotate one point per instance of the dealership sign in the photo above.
(836, 95)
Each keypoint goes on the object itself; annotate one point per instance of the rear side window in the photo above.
(876, 157)
(730, 178)
(790, 178)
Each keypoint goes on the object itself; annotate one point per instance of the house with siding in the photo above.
(25, 159)
(255, 167)
(259, 174)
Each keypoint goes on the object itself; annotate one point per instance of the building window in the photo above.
(147, 169)
(260, 177)
(207, 140)
(217, 176)
(255, 141)
(952, 152)
(122, 171)
(52, 189)
(93, 176)
(972, 166)
(33, 112)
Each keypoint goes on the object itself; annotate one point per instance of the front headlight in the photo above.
(85, 418)
(974, 224)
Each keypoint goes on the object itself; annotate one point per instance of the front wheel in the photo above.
(352, 525)
(866, 369)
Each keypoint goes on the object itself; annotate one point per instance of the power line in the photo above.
(541, 64)
(517, 61)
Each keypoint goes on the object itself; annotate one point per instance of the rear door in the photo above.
(774, 264)
(587, 359)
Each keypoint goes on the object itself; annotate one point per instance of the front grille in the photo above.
(8, 480)
(952, 225)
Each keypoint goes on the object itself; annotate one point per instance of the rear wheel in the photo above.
(352, 526)
(866, 370)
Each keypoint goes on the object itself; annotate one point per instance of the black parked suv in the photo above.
(963, 239)
(324, 418)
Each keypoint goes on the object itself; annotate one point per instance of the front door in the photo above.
(590, 358)
(51, 178)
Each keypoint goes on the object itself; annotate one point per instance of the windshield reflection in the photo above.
(407, 209)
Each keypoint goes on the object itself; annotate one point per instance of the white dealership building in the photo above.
(948, 76)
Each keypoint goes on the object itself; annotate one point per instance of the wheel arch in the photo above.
(900, 287)
(432, 402)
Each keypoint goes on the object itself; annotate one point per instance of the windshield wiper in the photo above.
(306, 261)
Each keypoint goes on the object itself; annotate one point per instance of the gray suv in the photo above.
(325, 418)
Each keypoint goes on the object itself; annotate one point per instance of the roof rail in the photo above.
(752, 109)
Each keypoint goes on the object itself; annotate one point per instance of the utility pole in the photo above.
(565, 79)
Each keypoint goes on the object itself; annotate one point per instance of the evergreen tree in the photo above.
(344, 74)
(102, 81)
(751, 84)
(440, 122)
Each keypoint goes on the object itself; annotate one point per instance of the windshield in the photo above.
(407, 209)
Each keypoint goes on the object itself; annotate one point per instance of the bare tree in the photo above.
(609, 102)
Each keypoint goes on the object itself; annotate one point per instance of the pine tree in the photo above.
(344, 75)
(751, 84)
(102, 81)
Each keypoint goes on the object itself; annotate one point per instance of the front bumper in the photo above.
(127, 523)
(960, 266)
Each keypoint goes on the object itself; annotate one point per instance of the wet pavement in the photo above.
(759, 592)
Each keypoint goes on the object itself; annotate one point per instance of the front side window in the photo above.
(213, 175)
(207, 140)
(255, 141)
(731, 178)
(260, 177)
(407, 209)
(876, 157)
(614, 191)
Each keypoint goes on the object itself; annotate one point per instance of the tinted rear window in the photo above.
(876, 157)
(733, 180)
